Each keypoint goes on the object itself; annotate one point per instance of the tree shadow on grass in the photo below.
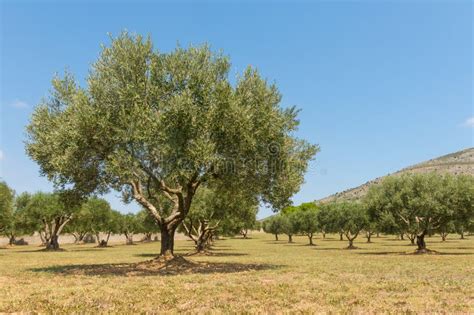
(411, 253)
(400, 245)
(460, 247)
(299, 244)
(93, 249)
(327, 248)
(218, 248)
(206, 253)
(177, 266)
(276, 242)
(381, 253)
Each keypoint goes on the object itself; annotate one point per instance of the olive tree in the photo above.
(129, 225)
(157, 125)
(306, 218)
(7, 213)
(216, 210)
(351, 219)
(422, 202)
(50, 212)
(274, 225)
(148, 225)
(327, 218)
(102, 219)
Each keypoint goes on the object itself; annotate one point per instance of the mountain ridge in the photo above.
(459, 162)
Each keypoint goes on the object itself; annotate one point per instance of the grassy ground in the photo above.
(254, 275)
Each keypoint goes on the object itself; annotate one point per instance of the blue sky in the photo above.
(381, 85)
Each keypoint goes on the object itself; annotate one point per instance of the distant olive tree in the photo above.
(7, 215)
(129, 225)
(422, 203)
(351, 220)
(306, 220)
(274, 225)
(50, 212)
(148, 225)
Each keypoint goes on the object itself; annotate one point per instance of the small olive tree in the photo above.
(351, 219)
(274, 225)
(306, 220)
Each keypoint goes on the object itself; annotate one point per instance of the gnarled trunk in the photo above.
(351, 237)
(167, 240)
(290, 238)
(340, 236)
(420, 242)
(103, 242)
(351, 244)
(202, 235)
(53, 229)
(11, 240)
(276, 237)
(53, 243)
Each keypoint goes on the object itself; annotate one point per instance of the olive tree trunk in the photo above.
(420, 242)
(310, 238)
(167, 241)
(53, 229)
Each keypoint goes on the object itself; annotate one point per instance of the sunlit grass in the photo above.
(256, 275)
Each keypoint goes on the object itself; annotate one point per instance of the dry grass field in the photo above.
(253, 275)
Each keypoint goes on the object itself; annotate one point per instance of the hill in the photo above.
(461, 162)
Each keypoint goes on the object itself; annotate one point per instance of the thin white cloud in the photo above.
(469, 122)
(19, 104)
(1, 155)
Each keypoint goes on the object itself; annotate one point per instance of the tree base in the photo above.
(167, 264)
(425, 251)
(351, 247)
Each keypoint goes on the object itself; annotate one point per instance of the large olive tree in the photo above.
(155, 126)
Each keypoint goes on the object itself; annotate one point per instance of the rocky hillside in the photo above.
(461, 162)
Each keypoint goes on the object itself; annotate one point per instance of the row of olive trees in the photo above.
(49, 214)
(412, 205)
(213, 214)
(346, 218)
